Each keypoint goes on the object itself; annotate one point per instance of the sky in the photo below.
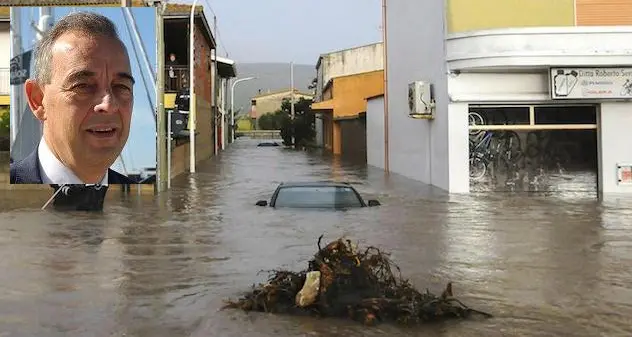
(140, 150)
(292, 30)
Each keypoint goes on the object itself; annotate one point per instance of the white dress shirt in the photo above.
(53, 171)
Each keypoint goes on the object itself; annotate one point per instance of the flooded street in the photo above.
(544, 265)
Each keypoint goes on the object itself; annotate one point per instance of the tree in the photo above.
(302, 127)
(271, 121)
(4, 121)
(4, 129)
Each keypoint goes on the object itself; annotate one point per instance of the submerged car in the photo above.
(316, 195)
(265, 144)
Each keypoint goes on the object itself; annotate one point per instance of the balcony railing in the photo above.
(4, 81)
(176, 78)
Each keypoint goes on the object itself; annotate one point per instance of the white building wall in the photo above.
(615, 138)
(375, 132)
(5, 44)
(458, 152)
(416, 51)
(512, 68)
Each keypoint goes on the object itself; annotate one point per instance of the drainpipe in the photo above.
(384, 52)
(192, 100)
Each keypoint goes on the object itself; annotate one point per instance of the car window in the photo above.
(317, 197)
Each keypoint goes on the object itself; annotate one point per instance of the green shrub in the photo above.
(4, 121)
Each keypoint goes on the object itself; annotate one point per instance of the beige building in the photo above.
(271, 102)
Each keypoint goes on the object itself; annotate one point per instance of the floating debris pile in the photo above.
(342, 281)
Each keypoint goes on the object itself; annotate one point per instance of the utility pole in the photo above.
(45, 22)
(16, 104)
(192, 98)
(219, 122)
(292, 102)
(163, 174)
(126, 3)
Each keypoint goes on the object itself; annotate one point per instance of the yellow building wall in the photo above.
(604, 12)
(349, 95)
(471, 15)
(350, 92)
(244, 125)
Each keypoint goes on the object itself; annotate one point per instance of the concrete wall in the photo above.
(348, 62)
(468, 15)
(416, 52)
(318, 126)
(375, 132)
(180, 160)
(614, 144)
(205, 140)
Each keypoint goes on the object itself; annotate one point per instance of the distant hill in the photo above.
(270, 77)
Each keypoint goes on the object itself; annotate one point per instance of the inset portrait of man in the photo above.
(82, 93)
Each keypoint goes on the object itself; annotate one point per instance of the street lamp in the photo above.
(232, 103)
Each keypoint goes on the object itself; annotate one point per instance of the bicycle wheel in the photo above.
(478, 167)
(475, 119)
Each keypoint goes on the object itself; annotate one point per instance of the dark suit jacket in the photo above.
(26, 171)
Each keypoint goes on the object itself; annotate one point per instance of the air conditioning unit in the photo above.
(421, 102)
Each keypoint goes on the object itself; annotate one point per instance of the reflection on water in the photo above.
(545, 264)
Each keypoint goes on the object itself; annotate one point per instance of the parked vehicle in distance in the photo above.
(316, 195)
(265, 144)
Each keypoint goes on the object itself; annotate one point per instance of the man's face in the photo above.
(172, 57)
(87, 106)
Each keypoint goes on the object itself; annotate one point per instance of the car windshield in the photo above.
(317, 197)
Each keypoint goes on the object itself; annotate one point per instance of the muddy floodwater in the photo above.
(544, 265)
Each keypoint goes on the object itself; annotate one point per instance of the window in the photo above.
(317, 197)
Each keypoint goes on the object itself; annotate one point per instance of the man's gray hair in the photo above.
(87, 23)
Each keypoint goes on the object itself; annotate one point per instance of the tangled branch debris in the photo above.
(341, 281)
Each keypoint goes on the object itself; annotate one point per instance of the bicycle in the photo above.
(626, 89)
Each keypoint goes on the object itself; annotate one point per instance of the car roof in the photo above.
(314, 184)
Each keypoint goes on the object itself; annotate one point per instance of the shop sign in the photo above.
(624, 174)
(19, 68)
(591, 83)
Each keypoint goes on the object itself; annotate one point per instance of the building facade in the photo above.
(362, 59)
(226, 70)
(271, 102)
(342, 111)
(176, 36)
(536, 62)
